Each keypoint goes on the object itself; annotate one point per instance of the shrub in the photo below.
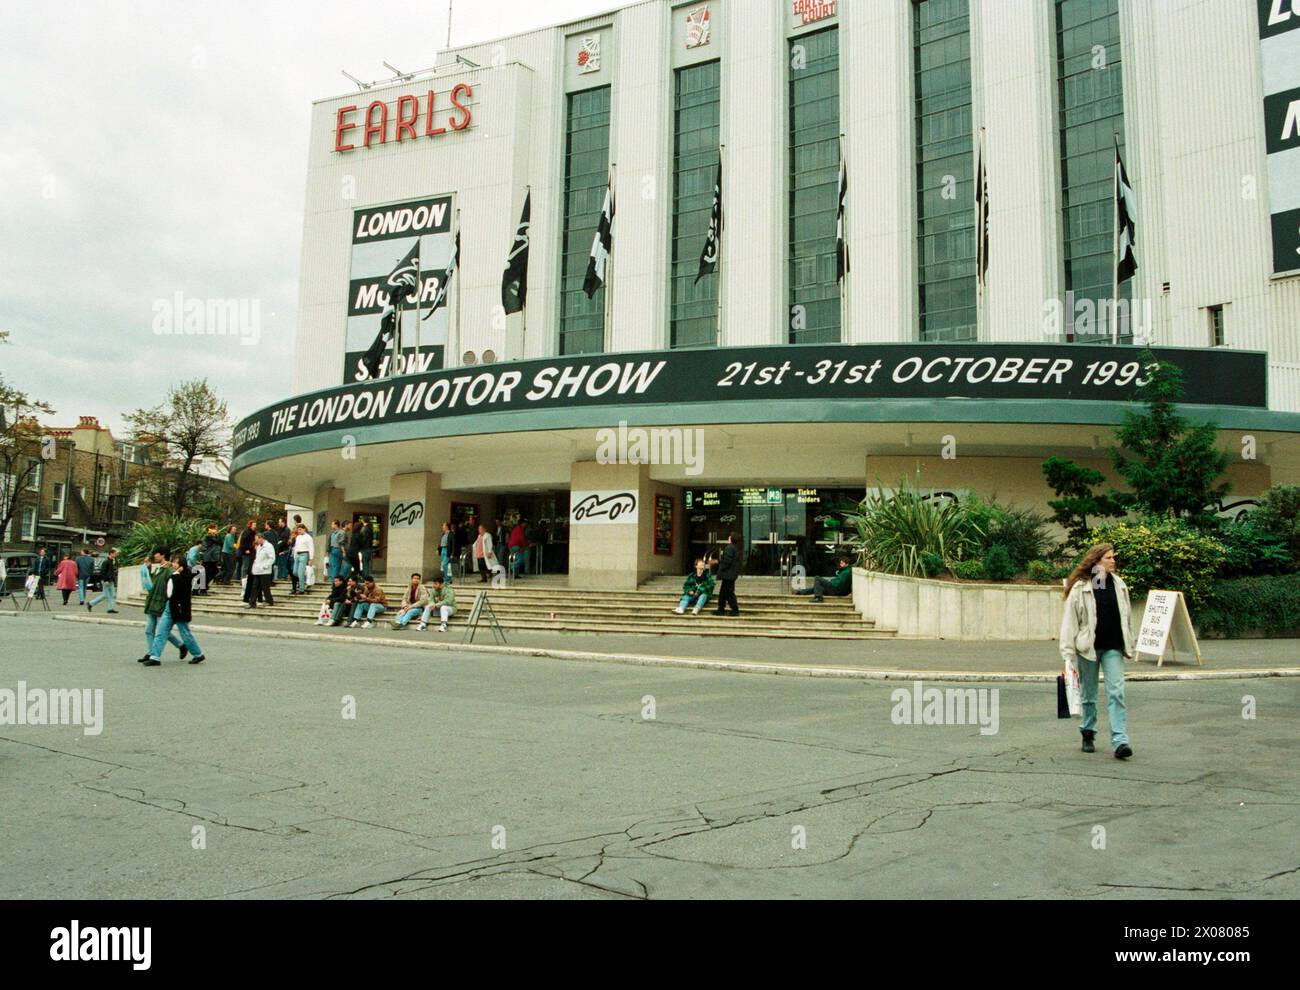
(173, 534)
(998, 565)
(1047, 572)
(931, 563)
(1267, 604)
(893, 531)
(1161, 552)
(967, 570)
(1250, 550)
(1279, 515)
(1023, 533)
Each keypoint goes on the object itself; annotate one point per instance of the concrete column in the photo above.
(621, 555)
(412, 530)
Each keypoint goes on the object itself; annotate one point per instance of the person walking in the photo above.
(446, 550)
(338, 547)
(367, 547)
(517, 545)
(258, 587)
(414, 600)
(728, 571)
(229, 544)
(42, 567)
(696, 589)
(85, 573)
(176, 616)
(65, 576)
(304, 552)
(247, 547)
(1096, 635)
(371, 601)
(211, 557)
(108, 584)
(153, 580)
(443, 601)
(484, 558)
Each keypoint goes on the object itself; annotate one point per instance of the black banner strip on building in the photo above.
(1045, 372)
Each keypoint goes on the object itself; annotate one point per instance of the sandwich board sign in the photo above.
(1166, 623)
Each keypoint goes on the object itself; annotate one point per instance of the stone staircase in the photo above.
(548, 604)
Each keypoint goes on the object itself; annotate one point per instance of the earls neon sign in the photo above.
(407, 113)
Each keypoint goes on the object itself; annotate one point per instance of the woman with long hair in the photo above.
(1097, 636)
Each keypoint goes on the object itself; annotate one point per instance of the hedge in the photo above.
(1270, 605)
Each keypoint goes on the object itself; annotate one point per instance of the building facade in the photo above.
(763, 388)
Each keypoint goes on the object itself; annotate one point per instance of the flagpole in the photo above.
(609, 258)
(841, 178)
(1114, 250)
(523, 333)
(455, 246)
(419, 300)
(722, 151)
(981, 252)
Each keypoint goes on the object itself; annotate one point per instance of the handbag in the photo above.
(1062, 702)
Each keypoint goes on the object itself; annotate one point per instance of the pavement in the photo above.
(887, 659)
(336, 768)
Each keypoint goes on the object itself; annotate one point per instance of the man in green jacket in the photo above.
(840, 586)
(443, 601)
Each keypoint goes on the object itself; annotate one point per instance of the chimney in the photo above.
(88, 423)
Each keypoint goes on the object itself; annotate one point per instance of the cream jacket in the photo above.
(1079, 623)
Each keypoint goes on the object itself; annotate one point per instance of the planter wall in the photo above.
(920, 608)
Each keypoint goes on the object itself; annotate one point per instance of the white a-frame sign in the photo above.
(1166, 623)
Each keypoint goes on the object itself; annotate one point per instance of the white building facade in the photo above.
(908, 362)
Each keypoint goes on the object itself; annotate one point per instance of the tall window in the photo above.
(1091, 96)
(694, 316)
(814, 61)
(34, 478)
(586, 176)
(56, 500)
(945, 170)
(29, 524)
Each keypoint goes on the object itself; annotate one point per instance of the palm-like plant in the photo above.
(895, 530)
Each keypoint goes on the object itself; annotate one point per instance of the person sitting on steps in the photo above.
(697, 588)
(840, 586)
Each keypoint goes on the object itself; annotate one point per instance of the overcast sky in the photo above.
(150, 148)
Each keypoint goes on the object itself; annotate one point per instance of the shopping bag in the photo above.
(311, 575)
(1070, 676)
(1062, 702)
(324, 611)
(30, 584)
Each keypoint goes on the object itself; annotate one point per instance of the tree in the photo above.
(1077, 500)
(1170, 464)
(24, 445)
(192, 426)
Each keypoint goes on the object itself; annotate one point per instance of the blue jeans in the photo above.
(446, 565)
(151, 627)
(336, 561)
(164, 634)
(109, 592)
(1112, 662)
(368, 609)
(281, 566)
(300, 571)
(365, 563)
(404, 618)
(81, 591)
(700, 601)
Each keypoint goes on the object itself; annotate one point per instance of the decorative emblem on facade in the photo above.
(589, 54)
(698, 33)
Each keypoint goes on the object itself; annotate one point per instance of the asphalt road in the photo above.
(500, 776)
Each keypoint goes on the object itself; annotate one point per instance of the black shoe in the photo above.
(143, 658)
(112, 611)
(1088, 735)
(199, 659)
(88, 608)
(185, 651)
(1123, 751)
(151, 662)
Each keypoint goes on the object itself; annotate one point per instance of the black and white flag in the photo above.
(514, 284)
(401, 286)
(1126, 222)
(601, 246)
(981, 220)
(713, 242)
(841, 244)
(444, 283)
